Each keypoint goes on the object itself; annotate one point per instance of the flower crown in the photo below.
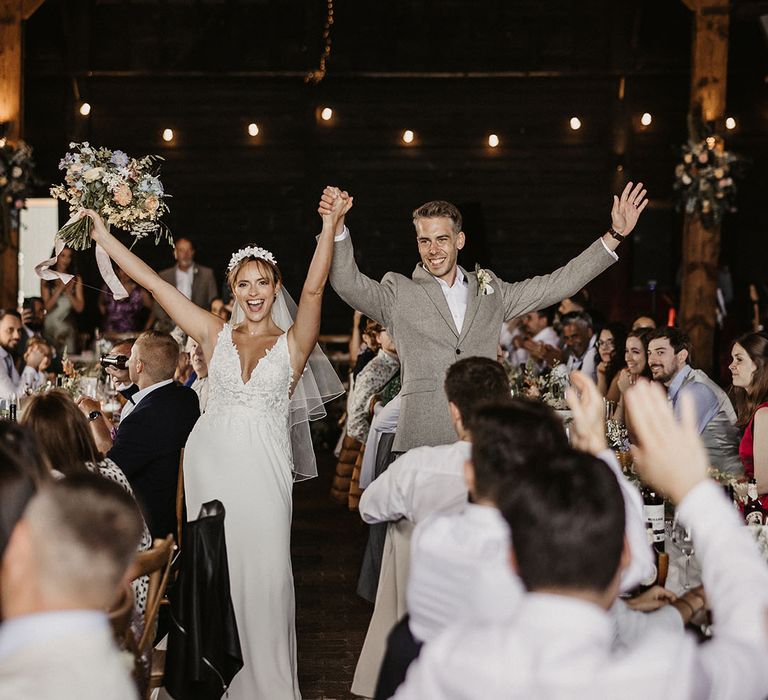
(250, 251)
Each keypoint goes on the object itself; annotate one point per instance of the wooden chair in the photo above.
(180, 499)
(156, 563)
(120, 615)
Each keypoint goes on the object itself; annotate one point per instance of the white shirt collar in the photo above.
(20, 632)
(139, 395)
(459, 281)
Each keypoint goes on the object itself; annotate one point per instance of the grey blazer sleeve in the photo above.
(374, 299)
(542, 291)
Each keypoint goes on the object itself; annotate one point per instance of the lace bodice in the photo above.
(265, 392)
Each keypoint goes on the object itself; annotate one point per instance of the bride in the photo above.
(267, 378)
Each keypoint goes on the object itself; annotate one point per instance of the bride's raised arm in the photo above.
(306, 328)
(194, 321)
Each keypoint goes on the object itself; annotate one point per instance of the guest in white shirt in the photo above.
(422, 481)
(200, 368)
(579, 340)
(569, 549)
(10, 334)
(539, 341)
(55, 640)
(428, 479)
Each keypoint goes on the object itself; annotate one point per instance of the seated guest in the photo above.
(643, 323)
(372, 379)
(10, 334)
(37, 359)
(749, 370)
(636, 359)
(199, 383)
(578, 302)
(579, 340)
(610, 359)
(148, 443)
(568, 548)
(22, 471)
(420, 482)
(380, 439)
(428, 479)
(121, 377)
(66, 442)
(60, 571)
(538, 341)
(668, 354)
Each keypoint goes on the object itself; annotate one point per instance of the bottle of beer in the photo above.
(754, 513)
(653, 507)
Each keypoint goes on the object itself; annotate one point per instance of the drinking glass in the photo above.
(681, 536)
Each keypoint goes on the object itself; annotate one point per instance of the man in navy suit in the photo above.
(148, 443)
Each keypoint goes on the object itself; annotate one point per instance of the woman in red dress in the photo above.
(749, 369)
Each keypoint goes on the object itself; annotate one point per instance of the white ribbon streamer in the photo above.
(45, 270)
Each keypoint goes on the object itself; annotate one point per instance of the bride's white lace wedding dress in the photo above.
(239, 452)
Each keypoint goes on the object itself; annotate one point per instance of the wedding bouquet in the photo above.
(126, 192)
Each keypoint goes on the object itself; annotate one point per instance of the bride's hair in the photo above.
(267, 267)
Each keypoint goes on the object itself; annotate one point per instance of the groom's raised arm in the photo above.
(540, 292)
(372, 298)
(544, 290)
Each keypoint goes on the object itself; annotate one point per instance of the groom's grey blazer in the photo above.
(416, 313)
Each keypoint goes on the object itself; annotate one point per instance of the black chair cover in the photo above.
(203, 645)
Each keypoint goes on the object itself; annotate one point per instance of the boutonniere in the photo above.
(483, 281)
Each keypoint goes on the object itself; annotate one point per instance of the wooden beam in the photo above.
(701, 245)
(29, 7)
(10, 113)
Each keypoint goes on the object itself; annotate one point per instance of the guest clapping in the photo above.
(63, 303)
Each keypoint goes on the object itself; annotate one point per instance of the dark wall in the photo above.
(207, 69)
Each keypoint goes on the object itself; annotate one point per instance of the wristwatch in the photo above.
(615, 234)
(93, 415)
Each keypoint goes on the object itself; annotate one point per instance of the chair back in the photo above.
(180, 499)
(120, 615)
(156, 563)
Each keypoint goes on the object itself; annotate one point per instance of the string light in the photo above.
(326, 114)
(168, 135)
(253, 129)
(646, 119)
(317, 75)
(575, 123)
(85, 109)
(730, 123)
(408, 136)
(493, 141)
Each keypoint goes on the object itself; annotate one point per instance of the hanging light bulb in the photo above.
(493, 141)
(85, 109)
(326, 114)
(730, 123)
(253, 129)
(646, 119)
(168, 135)
(575, 123)
(408, 136)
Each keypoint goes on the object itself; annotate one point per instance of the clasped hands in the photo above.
(334, 205)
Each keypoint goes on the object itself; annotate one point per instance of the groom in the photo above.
(443, 312)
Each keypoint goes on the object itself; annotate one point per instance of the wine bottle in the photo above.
(12, 405)
(658, 576)
(653, 508)
(754, 513)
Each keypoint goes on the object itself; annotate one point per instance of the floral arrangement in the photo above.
(704, 180)
(126, 192)
(16, 180)
(549, 386)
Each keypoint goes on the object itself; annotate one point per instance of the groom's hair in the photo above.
(439, 209)
(474, 381)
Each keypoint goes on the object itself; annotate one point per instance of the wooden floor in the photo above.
(331, 620)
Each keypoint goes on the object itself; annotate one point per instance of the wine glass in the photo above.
(681, 536)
